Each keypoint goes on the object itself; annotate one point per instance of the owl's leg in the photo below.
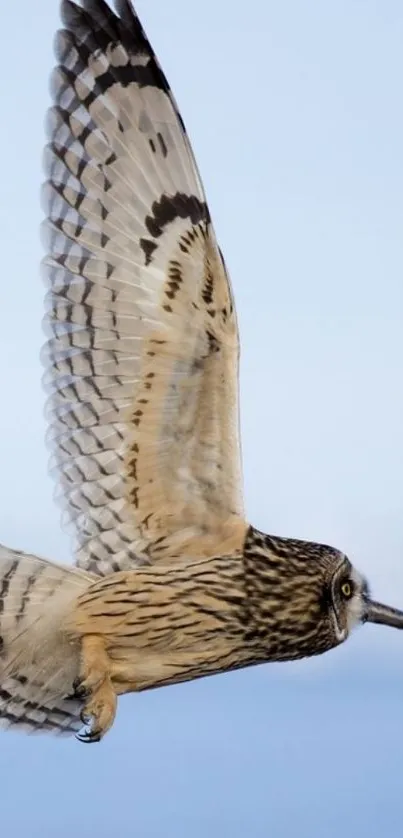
(94, 684)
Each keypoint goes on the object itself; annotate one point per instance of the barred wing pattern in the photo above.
(142, 356)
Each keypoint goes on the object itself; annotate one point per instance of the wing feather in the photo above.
(141, 361)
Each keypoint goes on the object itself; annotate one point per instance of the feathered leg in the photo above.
(94, 683)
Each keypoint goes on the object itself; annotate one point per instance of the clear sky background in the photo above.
(295, 113)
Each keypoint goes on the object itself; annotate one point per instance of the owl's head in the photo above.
(305, 598)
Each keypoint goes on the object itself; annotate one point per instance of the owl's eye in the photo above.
(346, 590)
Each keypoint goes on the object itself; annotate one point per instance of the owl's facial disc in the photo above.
(352, 604)
(348, 590)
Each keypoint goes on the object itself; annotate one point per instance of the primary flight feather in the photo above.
(141, 361)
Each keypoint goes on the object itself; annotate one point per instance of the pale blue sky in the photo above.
(295, 114)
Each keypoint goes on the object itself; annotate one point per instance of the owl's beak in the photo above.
(375, 612)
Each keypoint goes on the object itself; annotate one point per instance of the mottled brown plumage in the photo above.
(171, 583)
(179, 622)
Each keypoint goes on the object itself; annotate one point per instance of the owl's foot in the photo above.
(94, 684)
(99, 713)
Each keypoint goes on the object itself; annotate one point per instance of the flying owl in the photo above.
(170, 582)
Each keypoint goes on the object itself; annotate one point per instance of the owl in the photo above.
(170, 581)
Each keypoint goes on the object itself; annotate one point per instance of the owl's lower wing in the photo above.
(142, 356)
(38, 661)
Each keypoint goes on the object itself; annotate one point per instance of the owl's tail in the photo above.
(38, 662)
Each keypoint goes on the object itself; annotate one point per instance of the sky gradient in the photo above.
(295, 114)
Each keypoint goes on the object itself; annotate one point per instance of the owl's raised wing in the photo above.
(142, 356)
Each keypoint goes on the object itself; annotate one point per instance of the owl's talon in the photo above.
(85, 718)
(99, 712)
(88, 737)
(80, 689)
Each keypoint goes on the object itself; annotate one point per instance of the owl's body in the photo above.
(164, 625)
(158, 625)
(171, 583)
